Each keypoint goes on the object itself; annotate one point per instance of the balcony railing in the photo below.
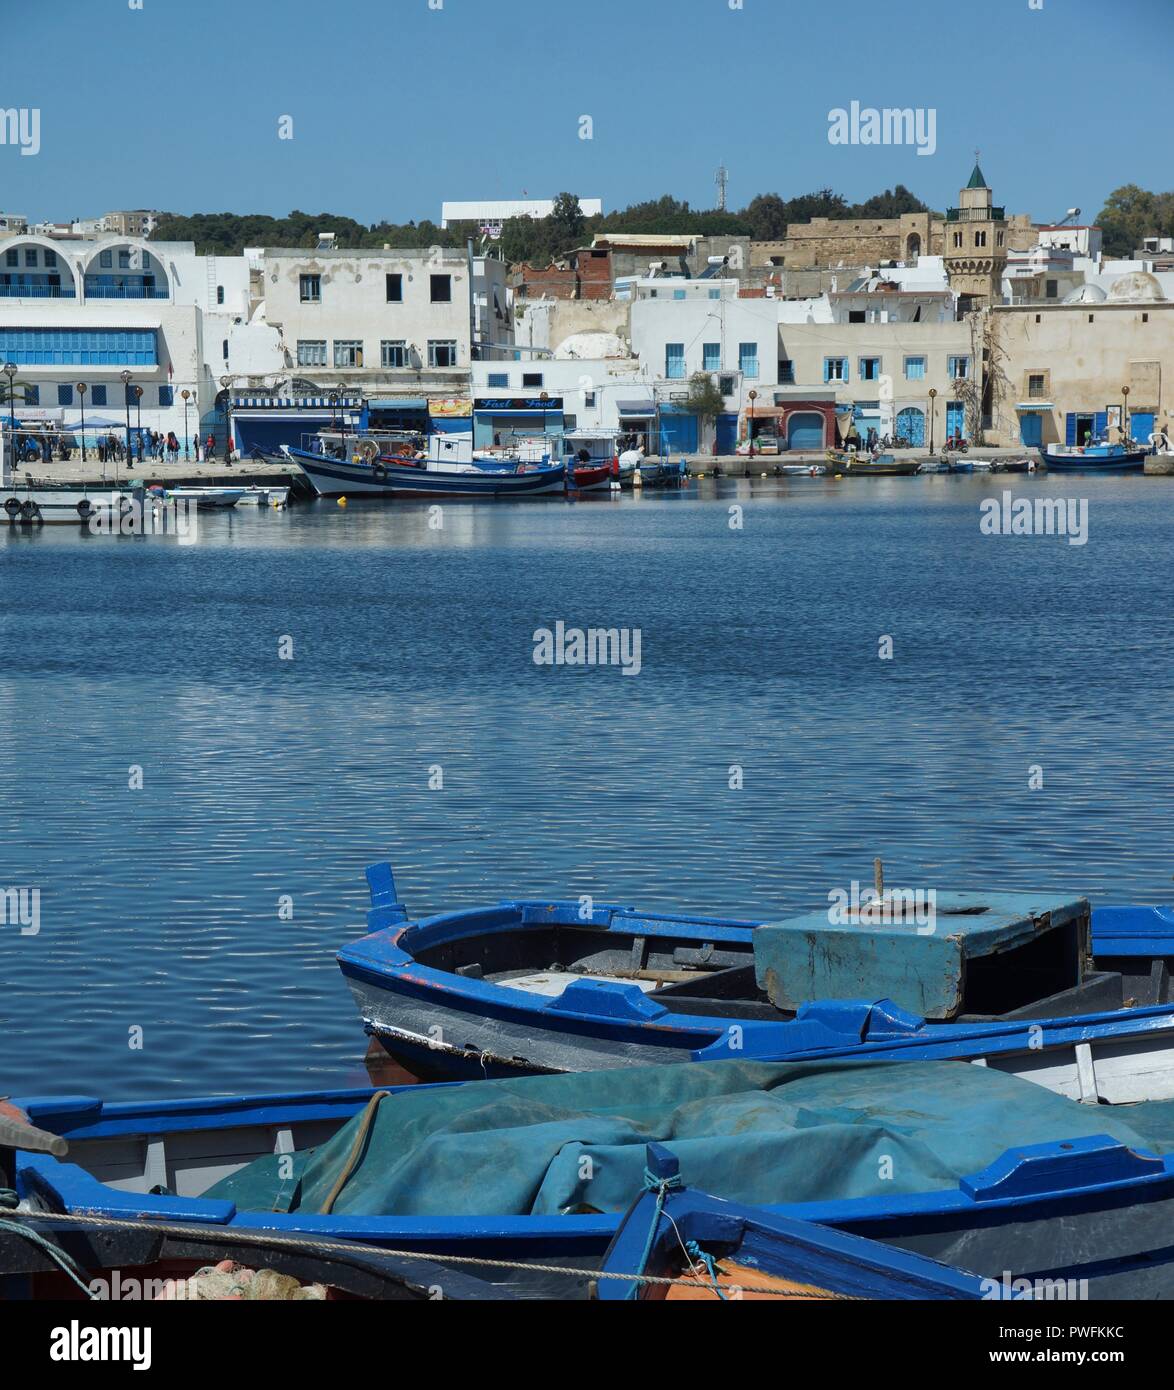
(37, 292)
(124, 292)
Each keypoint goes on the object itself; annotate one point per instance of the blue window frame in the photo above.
(63, 347)
(30, 256)
(65, 395)
(166, 396)
(12, 258)
(32, 395)
(959, 367)
(678, 294)
(499, 379)
(310, 289)
(106, 260)
(870, 368)
(124, 260)
(97, 395)
(715, 294)
(748, 359)
(674, 361)
(915, 369)
(835, 369)
(711, 357)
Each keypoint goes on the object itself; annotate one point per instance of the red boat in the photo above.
(593, 477)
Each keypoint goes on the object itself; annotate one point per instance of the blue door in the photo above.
(1031, 429)
(727, 433)
(1141, 425)
(911, 423)
(956, 419)
(805, 431)
(678, 432)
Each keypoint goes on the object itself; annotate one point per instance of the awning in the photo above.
(1039, 406)
(636, 407)
(398, 403)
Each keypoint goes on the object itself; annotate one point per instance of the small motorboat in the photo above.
(1099, 457)
(1022, 465)
(265, 496)
(588, 475)
(664, 473)
(205, 498)
(1006, 979)
(854, 465)
(802, 470)
(994, 1176)
(676, 1244)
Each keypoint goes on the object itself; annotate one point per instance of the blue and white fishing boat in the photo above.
(664, 473)
(205, 498)
(987, 1173)
(1101, 457)
(525, 986)
(434, 476)
(675, 1243)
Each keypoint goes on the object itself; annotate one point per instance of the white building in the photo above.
(493, 212)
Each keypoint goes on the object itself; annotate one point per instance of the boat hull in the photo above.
(59, 506)
(1094, 463)
(387, 478)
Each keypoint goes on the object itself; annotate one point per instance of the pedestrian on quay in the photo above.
(210, 448)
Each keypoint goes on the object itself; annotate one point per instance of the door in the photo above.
(1031, 429)
(805, 431)
(678, 432)
(1141, 425)
(956, 419)
(911, 423)
(727, 433)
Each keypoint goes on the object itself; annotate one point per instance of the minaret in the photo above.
(975, 248)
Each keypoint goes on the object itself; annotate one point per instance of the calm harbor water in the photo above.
(265, 778)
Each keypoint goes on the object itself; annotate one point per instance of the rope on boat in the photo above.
(61, 1258)
(661, 1186)
(300, 1243)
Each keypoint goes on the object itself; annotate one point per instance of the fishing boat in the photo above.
(802, 470)
(1008, 980)
(205, 498)
(265, 496)
(990, 1174)
(1100, 457)
(588, 475)
(1023, 465)
(872, 465)
(676, 1244)
(663, 473)
(449, 470)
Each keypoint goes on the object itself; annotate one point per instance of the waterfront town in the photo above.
(982, 325)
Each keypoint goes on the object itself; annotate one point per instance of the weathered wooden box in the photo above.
(973, 954)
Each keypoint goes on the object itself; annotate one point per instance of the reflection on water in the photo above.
(265, 780)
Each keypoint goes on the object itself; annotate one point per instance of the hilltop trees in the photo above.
(1131, 213)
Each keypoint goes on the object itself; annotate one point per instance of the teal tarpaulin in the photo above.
(751, 1132)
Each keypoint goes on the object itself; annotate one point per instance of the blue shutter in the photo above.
(1102, 423)
(1070, 429)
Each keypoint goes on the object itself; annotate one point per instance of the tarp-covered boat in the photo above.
(532, 986)
(961, 1164)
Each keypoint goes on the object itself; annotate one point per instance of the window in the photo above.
(711, 357)
(588, 399)
(50, 260)
(915, 369)
(395, 289)
(499, 379)
(1035, 386)
(869, 368)
(224, 348)
(1145, 318)
(678, 294)
(980, 238)
(835, 369)
(1051, 289)
(166, 396)
(393, 352)
(97, 395)
(348, 352)
(32, 395)
(748, 359)
(957, 240)
(441, 289)
(442, 352)
(59, 347)
(715, 294)
(65, 395)
(726, 385)
(959, 367)
(219, 294)
(12, 257)
(786, 371)
(311, 352)
(310, 289)
(30, 256)
(674, 361)
(998, 238)
(856, 316)
(124, 260)
(531, 379)
(106, 260)
(128, 393)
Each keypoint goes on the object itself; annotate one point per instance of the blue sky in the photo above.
(397, 106)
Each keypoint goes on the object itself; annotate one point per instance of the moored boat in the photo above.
(663, 472)
(993, 1176)
(1101, 457)
(542, 986)
(872, 465)
(434, 476)
(209, 498)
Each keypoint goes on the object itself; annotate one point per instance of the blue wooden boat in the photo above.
(388, 476)
(530, 986)
(1093, 1202)
(718, 1250)
(1101, 457)
(664, 472)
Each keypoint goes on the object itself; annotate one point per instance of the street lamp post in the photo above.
(139, 419)
(81, 391)
(10, 373)
(753, 397)
(1126, 434)
(226, 382)
(544, 396)
(933, 395)
(127, 377)
(185, 395)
